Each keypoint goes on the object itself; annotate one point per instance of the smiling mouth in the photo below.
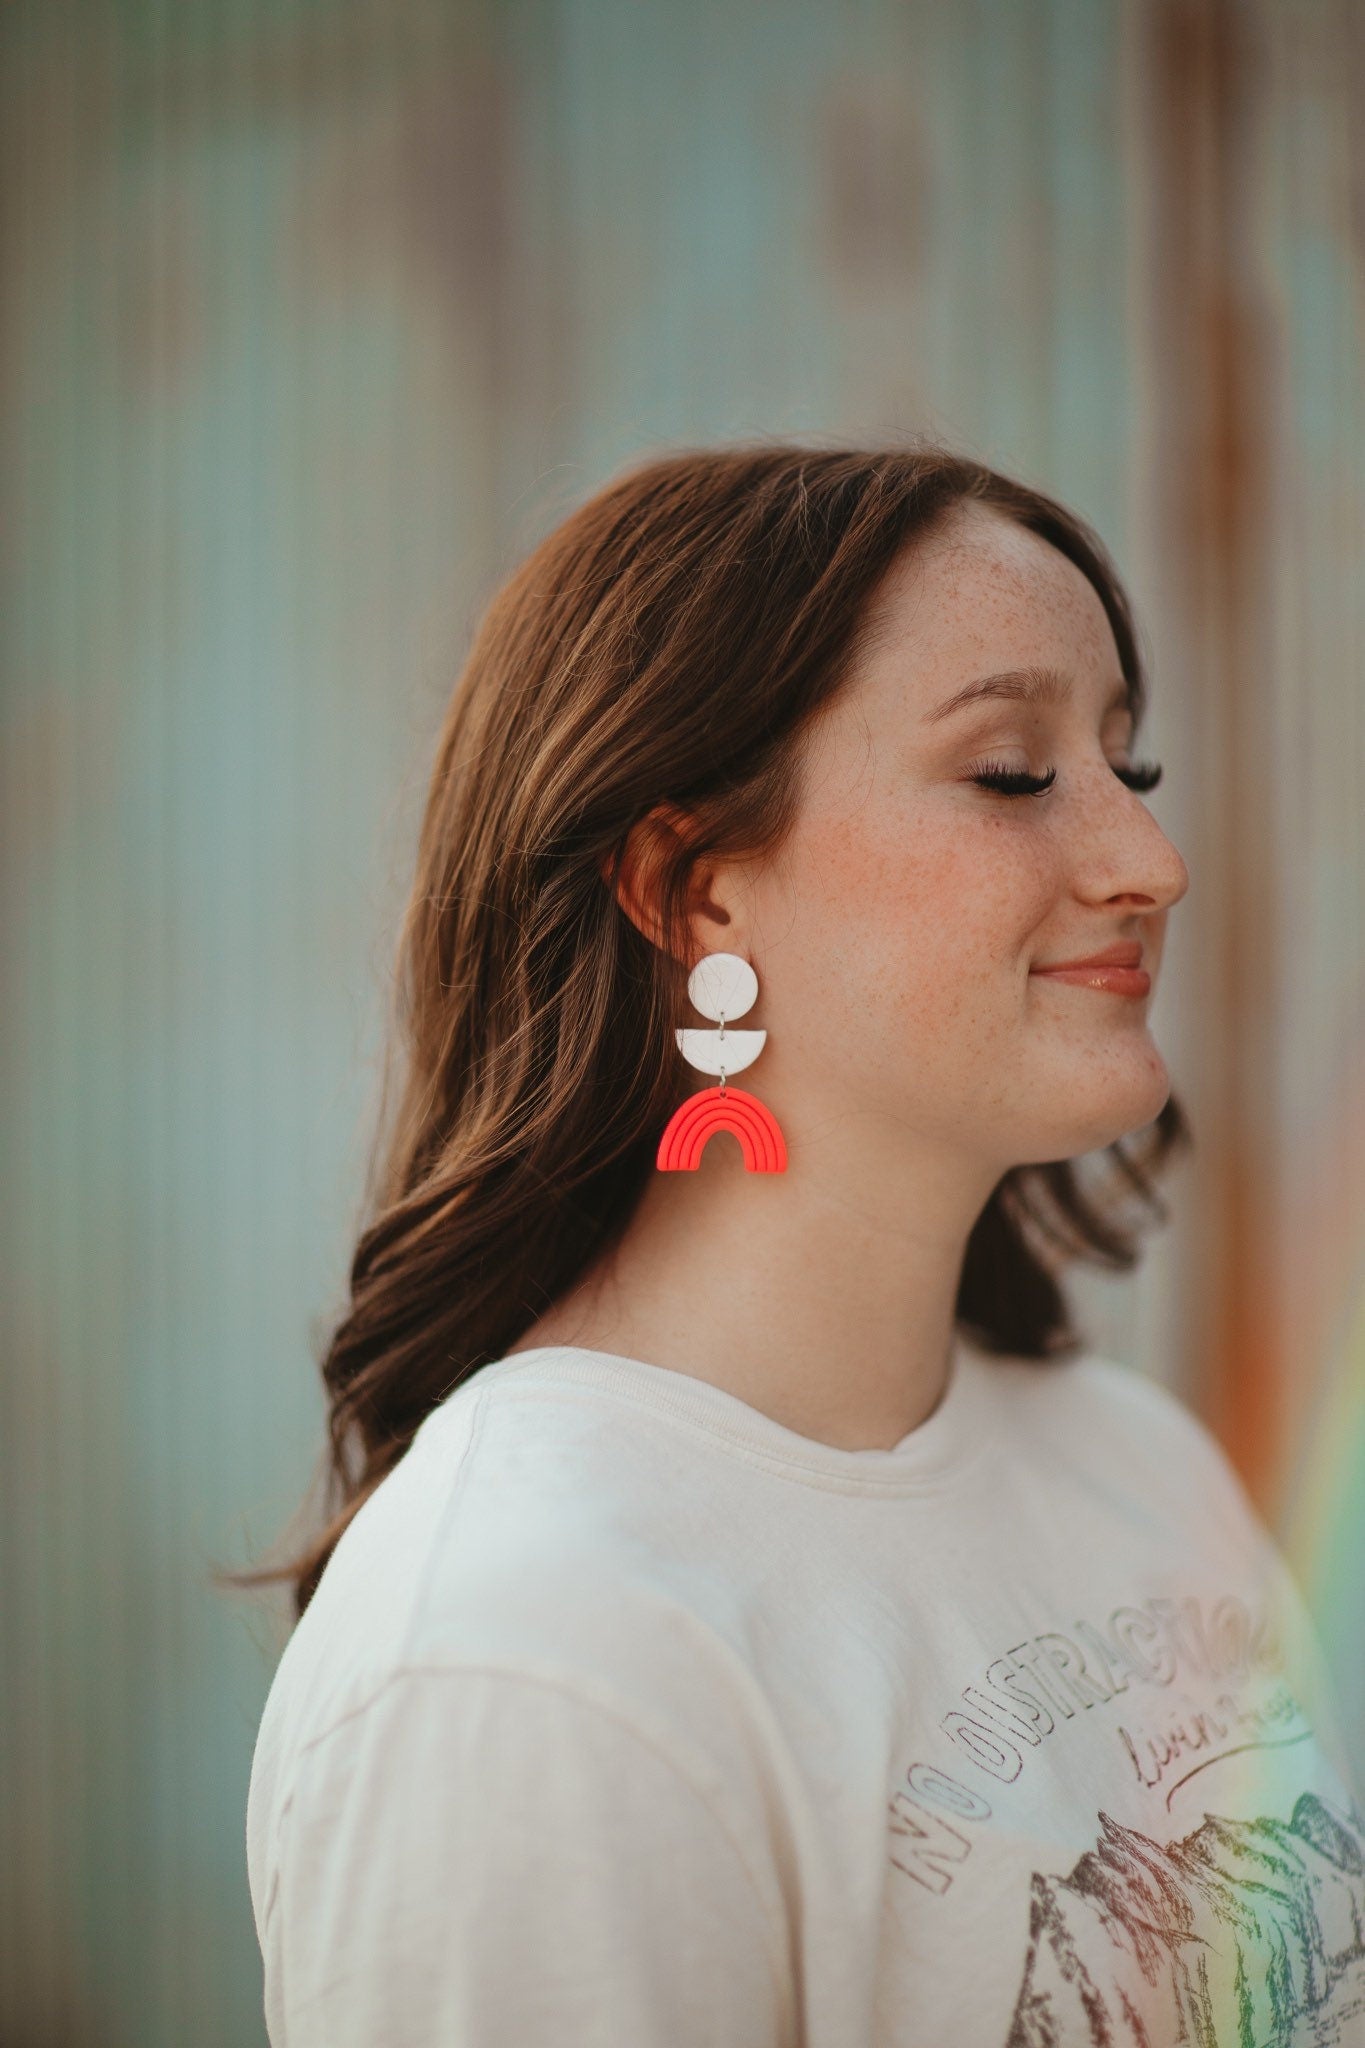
(1106, 976)
(1122, 953)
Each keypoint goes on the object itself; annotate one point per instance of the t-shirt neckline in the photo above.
(948, 1439)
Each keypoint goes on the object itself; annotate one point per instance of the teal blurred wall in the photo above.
(317, 315)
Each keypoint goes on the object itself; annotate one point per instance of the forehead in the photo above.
(983, 594)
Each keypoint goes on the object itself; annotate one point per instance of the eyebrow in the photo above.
(1029, 685)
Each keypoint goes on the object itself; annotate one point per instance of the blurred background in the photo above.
(317, 314)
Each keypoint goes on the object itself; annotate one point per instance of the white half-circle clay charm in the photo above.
(712, 1052)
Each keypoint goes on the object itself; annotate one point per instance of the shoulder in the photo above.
(1135, 1436)
(547, 1538)
(1156, 1418)
(522, 1586)
(1109, 1393)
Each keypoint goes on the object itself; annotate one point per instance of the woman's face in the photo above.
(899, 935)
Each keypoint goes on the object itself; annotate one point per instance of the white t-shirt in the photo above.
(625, 1715)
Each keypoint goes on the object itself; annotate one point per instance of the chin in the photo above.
(1101, 1101)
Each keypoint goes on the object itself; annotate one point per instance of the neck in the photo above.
(823, 1296)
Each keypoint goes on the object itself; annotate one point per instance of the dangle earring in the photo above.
(722, 985)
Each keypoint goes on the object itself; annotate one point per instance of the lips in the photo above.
(1115, 971)
(1127, 953)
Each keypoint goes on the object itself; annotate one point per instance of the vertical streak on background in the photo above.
(60, 1122)
(1215, 413)
(1315, 210)
(248, 453)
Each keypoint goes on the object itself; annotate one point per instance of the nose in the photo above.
(1122, 853)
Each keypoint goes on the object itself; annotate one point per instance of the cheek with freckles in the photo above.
(915, 937)
(967, 893)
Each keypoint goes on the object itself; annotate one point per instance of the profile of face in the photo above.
(899, 933)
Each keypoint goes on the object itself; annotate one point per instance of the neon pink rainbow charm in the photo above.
(722, 985)
(723, 1109)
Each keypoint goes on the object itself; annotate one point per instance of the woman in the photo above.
(754, 1615)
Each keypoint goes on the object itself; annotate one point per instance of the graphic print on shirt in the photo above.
(1245, 1926)
(1243, 1931)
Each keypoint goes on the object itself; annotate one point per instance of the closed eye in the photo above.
(1018, 782)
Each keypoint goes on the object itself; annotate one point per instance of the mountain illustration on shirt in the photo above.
(1242, 1934)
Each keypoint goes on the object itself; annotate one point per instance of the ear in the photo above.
(654, 839)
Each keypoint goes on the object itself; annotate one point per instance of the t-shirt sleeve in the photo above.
(480, 1857)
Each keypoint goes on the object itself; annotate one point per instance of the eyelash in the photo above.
(1018, 782)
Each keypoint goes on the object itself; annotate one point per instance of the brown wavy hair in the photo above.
(666, 643)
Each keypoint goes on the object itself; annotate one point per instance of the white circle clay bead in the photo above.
(723, 985)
